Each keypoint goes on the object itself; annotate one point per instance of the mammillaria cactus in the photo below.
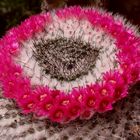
(69, 64)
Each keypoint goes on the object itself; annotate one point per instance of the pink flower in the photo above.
(126, 77)
(90, 100)
(27, 103)
(86, 115)
(92, 89)
(105, 104)
(135, 72)
(123, 58)
(63, 99)
(122, 37)
(74, 109)
(55, 93)
(16, 71)
(120, 92)
(9, 87)
(78, 95)
(4, 66)
(57, 114)
(16, 88)
(118, 84)
(131, 73)
(126, 57)
(113, 78)
(69, 12)
(105, 89)
(42, 92)
(13, 85)
(11, 43)
(44, 106)
(76, 12)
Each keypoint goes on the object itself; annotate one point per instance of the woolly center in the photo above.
(65, 59)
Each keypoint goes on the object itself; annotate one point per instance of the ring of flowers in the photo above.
(80, 102)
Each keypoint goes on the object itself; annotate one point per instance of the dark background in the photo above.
(12, 12)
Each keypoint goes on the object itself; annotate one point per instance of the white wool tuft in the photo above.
(71, 28)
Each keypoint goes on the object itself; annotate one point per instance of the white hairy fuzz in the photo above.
(75, 29)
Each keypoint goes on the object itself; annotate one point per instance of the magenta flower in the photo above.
(42, 93)
(105, 104)
(57, 114)
(55, 93)
(78, 95)
(105, 89)
(113, 78)
(63, 100)
(86, 115)
(45, 106)
(134, 72)
(27, 103)
(74, 110)
(90, 100)
(120, 92)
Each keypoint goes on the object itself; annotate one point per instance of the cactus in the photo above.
(65, 65)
